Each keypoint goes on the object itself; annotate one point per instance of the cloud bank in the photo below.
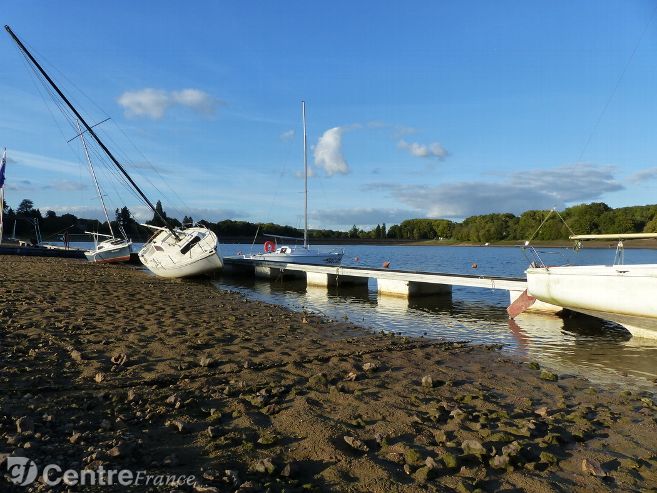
(533, 189)
(154, 103)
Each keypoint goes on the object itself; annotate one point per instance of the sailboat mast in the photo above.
(93, 176)
(87, 127)
(3, 163)
(305, 176)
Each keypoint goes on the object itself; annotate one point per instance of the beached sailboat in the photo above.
(624, 294)
(170, 252)
(298, 254)
(111, 249)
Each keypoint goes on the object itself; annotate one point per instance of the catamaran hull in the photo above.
(195, 252)
(115, 255)
(624, 294)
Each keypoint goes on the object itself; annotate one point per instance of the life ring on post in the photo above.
(269, 246)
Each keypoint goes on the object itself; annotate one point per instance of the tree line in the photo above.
(590, 218)
(594, 218)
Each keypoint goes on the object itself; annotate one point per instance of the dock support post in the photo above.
(266, 272)
(326, 280)
(394, 287)
(317, 279)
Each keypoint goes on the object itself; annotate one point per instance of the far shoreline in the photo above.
(634, 244)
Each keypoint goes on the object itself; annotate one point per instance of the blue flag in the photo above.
(2, 169)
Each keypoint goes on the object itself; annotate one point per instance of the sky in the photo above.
(414, 109)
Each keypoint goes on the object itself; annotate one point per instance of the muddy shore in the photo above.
(107, 365)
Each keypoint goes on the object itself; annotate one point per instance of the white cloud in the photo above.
(19, 185)
(197, 100)
(311, 173)
(146, 102)
(154, 103)
(287, 135)
(66, 186)
(532, 189)
(45, 163)
(424, 150)
(328, 152)
(644, 175)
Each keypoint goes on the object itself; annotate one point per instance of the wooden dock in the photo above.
(389, 282)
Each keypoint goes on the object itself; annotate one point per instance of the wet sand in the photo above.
(107, 365)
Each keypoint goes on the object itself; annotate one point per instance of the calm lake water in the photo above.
(601, 351)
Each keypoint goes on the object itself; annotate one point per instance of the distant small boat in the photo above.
(295, 254)
(299, 254)
(113, 249)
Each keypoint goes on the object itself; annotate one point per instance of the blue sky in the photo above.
(415, 109)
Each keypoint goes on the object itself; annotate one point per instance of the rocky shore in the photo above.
(109, 366)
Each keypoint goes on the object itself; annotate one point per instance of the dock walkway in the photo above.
(391, 282)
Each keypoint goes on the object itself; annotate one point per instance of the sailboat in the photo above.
(298, 254)
(171, 252)
(111, 249)
(621, 293)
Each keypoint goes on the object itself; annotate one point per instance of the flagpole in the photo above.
(2, 212)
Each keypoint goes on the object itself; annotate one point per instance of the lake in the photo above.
(601, 351)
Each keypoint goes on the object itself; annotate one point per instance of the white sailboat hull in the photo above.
(195, 252)
(624, 294)
(110, 251)
(299, 256)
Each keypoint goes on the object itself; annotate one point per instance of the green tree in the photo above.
(26, 207)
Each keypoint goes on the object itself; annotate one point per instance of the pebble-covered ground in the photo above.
(108, 366)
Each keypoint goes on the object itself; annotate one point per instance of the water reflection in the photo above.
(587, 346)
(600, 351)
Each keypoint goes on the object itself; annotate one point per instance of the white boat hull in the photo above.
(299, 256)
(106, 252)
(624, 294)
(195, 252)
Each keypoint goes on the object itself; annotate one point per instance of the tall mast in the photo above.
(87, 127)
(305, 176)
(93, 175)
(3, 163)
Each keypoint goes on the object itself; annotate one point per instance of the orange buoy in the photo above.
(269, 246)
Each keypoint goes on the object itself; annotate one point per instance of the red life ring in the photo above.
(269, 246)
